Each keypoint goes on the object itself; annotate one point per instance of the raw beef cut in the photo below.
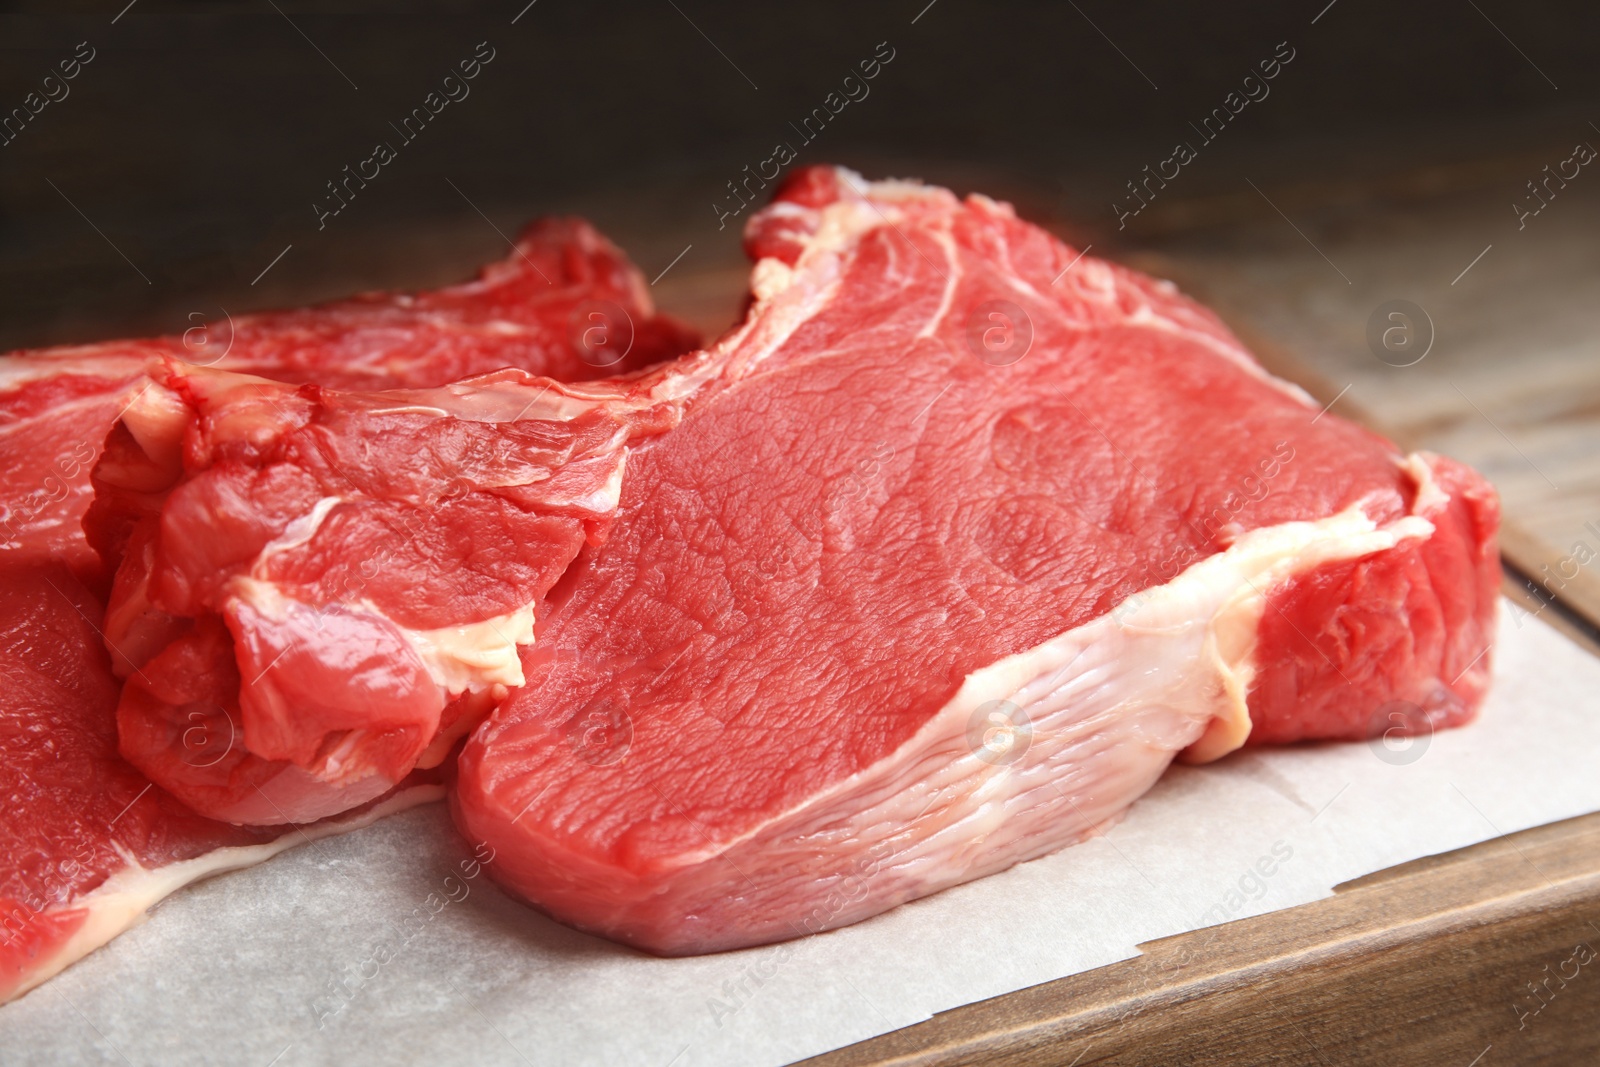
(86, 844)
(966, 538)
(565, 303)
(342, 578)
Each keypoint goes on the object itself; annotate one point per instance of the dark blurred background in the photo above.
(190, 150)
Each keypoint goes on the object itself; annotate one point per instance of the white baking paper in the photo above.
(335, 953)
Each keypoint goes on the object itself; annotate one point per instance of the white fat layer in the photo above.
(508, 400)
(157, 417)
(770, 277)
(1189, 642)
(604, 500)
(843, 222)
(12, 424)
(1146, 316)
(296, 534)
(477, 655)
(1034, 752)
(16, 371)
(468, 657)
(952, 280)
(1430, 498)
(120, 902)
(1110, 703)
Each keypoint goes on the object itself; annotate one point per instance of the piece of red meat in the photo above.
(343, 577)
(87, 844)
(566, 303)
(965, 540)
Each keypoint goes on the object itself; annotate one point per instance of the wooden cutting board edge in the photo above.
(1204, 996)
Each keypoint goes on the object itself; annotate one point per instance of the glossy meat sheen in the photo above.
(60, 764)
(77, 815)
(1379, 618)
(566, 303)
(87, 843)
(343, 576)
(746, 711)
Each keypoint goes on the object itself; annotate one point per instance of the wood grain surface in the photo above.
(1426, 963)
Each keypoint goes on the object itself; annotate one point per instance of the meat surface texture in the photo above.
(962, 537)
(341, 579)
(87, 844)
(566, 303)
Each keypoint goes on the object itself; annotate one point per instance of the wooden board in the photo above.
(1426, 963)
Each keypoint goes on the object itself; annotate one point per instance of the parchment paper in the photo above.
(334, 953)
